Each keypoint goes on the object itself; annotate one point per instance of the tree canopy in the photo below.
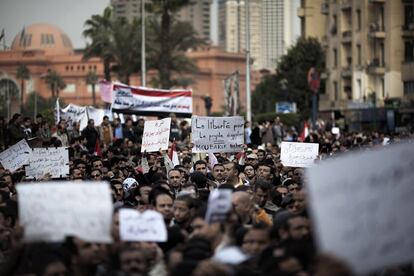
(290, 83)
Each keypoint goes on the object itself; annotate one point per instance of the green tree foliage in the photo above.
(92, 80)
(55, 83)
(292, 70)
(22, 73)
(43, 105)
(99, 30)
(169, 58)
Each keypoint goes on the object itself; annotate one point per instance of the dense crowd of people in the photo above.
(267, 232)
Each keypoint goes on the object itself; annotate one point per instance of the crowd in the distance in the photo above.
(267, 232)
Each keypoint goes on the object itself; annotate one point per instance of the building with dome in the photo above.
(44, 47)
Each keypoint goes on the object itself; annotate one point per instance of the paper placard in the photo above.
(362, 205)
(50, 211)
(298, 154)
(217, 134)
(16, 156)
(54, 161)
(219, 204)
(146, 226)
(156, 135)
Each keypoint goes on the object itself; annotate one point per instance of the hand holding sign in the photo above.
(156, 135)
(146, 226)
(298, 154)
(16, 156)
(53, 210)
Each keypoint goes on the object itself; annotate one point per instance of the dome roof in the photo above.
(45, 37)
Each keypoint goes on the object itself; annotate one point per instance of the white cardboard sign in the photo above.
(156, 135)
(362, 206)
(298, 154)
(54, 161)
(50, 211)
(16, 156)
(146, 226)
(219, 204)
(217, 134)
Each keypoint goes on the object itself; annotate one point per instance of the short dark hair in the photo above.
(218, 165)
(263, 185)
(235, 166)
(199, 162)
(156, 192)
(105, 117)
(272, 168)
(191, 203)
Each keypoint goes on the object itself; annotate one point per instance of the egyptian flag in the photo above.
(173, 155)
(98, 151)
(304, 133)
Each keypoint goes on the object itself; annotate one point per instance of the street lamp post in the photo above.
(248, 96)
(143, 65)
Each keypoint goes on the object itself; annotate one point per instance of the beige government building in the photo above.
(369, 48)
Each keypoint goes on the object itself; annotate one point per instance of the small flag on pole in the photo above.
(304, 133)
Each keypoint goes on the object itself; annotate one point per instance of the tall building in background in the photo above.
(126, 9)
(274, 26)
(369, 50)
(313, 18)
(198, 14)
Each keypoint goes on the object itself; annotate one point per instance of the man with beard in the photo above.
(175, 180)
(295, 238)
(218, 174)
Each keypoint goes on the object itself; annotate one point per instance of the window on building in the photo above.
(409, 88)
(335, 57)
(359, 85)
(335, 86)
(408, 16)
(409, 51)
(383, 88)
(358, 15)
(359, 54)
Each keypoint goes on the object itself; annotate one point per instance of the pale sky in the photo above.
(68, 15)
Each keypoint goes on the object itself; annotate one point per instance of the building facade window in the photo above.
(358, 17)
(359, 54)
(409, 51)
(409, 88)
(335, 57)
(335, 86)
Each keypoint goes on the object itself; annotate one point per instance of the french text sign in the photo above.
(146, 226)
(219, 204)
(298, 154)
(156, 135)
(50, 211)
(362, 206)
(16, 156)
(53, 161)
(217, 134)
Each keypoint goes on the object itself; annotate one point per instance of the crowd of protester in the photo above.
(268, 231)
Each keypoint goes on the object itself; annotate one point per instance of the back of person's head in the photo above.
(199, 179)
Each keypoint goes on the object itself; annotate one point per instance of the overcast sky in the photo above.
(68, 15)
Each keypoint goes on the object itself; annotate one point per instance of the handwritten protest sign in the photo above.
(217, 134)
(219, 204)
(298, 154)
(51, 211)
(53, 161)
(16, 156)
(146, 226)
(156, 135)
(362, 208)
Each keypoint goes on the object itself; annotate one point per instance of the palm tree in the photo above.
(92, 79)
(55, 83)
(99, 31)
(23, 73)
(126, 48)
(170, 39)
(172, 59)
